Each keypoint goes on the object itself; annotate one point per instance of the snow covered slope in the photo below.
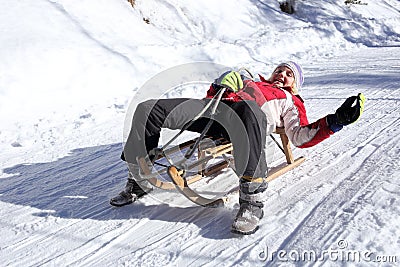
(69, 70)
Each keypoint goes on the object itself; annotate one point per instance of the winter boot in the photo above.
(134, 189)
(251, 197)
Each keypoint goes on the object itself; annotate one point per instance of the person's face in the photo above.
(282, 77)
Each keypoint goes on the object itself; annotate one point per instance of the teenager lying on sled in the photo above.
(248, 112)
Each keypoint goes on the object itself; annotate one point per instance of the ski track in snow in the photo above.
(307, 209)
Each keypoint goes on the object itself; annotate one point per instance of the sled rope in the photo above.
(190, 152)
(277, 143)
(249, 76)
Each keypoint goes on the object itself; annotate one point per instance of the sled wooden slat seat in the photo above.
(291, 162)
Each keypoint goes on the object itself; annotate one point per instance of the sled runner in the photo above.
(181, 180)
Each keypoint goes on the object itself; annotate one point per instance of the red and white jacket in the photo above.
(282, 109)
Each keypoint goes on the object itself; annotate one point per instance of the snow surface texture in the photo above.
(70, 68)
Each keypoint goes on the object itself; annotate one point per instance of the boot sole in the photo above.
(121, 205)
(131, 201)
(235, 231)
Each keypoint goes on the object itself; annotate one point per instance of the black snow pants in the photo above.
(243, 123)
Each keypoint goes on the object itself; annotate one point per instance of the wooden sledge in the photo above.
(181, 183)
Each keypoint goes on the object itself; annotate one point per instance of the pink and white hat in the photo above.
(297, 71)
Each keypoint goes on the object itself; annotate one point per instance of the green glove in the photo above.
(351, 110)
(231, 80)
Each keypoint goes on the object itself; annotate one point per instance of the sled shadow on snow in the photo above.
(81, 184)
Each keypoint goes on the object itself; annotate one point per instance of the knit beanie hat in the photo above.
(298, 74)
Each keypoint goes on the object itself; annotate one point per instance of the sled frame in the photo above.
(181, 183)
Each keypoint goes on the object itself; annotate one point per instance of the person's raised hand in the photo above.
(349, 112)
